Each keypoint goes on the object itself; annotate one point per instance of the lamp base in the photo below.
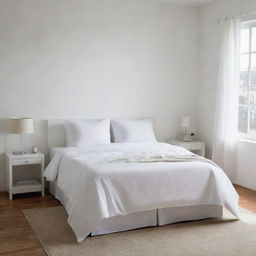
(186, 137)
(19, 152)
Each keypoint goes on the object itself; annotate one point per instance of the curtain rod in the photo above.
(242, 15)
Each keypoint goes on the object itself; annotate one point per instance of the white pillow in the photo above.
(82, 133)
(132, 130)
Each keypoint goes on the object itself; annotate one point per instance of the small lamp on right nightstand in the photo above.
(185, 124)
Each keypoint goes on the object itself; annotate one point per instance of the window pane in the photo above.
(244, 88)
(254, 39)
(244, 79)
(253, 121)
(253, 64)
(242, 119)
(252, 98)
(245, 40)
(253, 78)
(243, 96)
(244, 62)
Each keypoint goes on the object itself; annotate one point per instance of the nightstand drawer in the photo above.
(25, 161)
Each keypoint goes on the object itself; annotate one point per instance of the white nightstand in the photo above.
(196, 147)
(24, 160)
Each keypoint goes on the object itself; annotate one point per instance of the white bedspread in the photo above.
(117, 179)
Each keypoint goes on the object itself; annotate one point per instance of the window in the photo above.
(247, 89)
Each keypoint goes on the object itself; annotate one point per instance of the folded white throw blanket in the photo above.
(163, 158)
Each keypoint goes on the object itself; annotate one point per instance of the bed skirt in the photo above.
(157, 217)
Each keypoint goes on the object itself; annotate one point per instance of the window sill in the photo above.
(253, 141)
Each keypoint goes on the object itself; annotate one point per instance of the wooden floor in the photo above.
(17, 237)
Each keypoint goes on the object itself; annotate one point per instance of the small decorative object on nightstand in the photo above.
(35, 149)
(14, 183)
(196, 147)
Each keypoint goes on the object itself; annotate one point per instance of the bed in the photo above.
(122, 186)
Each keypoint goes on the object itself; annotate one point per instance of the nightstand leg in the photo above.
(42, 177)
(10, 196)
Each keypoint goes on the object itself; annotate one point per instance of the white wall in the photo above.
(91, 59)
(209, 53)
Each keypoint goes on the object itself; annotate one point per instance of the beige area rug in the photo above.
(218, 237)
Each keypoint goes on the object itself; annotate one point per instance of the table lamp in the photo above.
(23, 125)
(185, 124)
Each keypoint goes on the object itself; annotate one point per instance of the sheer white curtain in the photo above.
(226, 113)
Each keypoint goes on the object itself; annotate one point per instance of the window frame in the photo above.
(247, 25)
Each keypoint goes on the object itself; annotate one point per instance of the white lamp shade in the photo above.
(185, 121)
(21, 125)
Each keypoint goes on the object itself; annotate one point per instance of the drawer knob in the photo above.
(26, 161)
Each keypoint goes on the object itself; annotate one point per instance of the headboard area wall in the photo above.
(95, 59)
